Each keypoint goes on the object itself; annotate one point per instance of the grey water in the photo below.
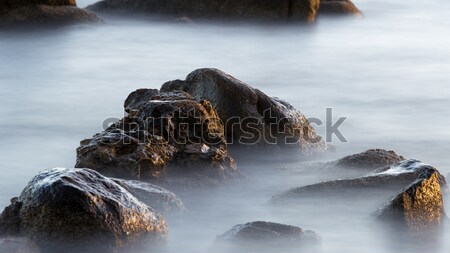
(388, 73)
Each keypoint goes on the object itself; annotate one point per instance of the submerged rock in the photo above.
(156, 197)
(261, 234)
(165, 135)
(15, 13)
(338, 7)
(419, 207)
(252, 119)
(393, 178)
(259, 10)
(369, 160)
(79, 210)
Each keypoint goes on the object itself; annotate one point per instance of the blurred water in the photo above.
(387, 72)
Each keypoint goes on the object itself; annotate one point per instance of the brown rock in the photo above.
(338, 7)
(369, 160)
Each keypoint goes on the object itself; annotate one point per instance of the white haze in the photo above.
(388, 72)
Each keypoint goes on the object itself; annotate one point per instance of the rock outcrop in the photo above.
(79, 210)
(370, 159)
(419, 207)
(338, 7)
(164, 136)
(393, 179)
(15, 13)
(156, 197)
(257, 10)
(261, 235)
(252, 119)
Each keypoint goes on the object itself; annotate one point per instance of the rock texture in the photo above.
(252, 119)
(282, 10)
(79, 210)
(261, 235)
(15, 13)
(156, 197)
(338, 7)
(419, 207)
(165, 135)
(394, 178)
(369, 160)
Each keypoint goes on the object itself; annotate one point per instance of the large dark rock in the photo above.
(369, 160)
(338, 7)
(419, 207)
(164, 136)
(156, 197)
(392, 179)
(15, 13)
(261, 235)
(280, 10)
(79, 210)
(252, 119)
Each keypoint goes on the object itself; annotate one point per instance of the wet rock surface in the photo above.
(166, 135)
(393, 178)
(338, 7)
(256, 10)
(252, 119)
(154, 196)
(79, 210)
(419, 207)
(261, 234)
(17, 13)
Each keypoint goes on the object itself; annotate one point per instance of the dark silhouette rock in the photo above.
(15, 13)
(259, 10)
(369, 160)
(338, 7)
(392, 179)
(165, 135)
(419, 207)
(79, 210)
(156, 197)
(252, 119)
(261, 235)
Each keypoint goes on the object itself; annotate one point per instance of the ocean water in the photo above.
(388, 73)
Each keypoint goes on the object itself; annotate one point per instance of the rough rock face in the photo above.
(370, 159)
(394, 178)
(43, 12)
(76, 209)
(419, 207)
(261, 234)
(282, 10)
(156, 197)
(250, 116)
(165, 135)
(338, 7)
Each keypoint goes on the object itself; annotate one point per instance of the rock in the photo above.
(15, 13)
(338, 7)
(394, 178)
(79, 210)
(156, 197)
(18, 245)
(369, 160)
(261, 234)
(252, 119)
(165, 135)
(257, 10)
(419, 207)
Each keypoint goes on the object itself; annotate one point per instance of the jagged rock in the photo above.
(264, 235)
(79, 210)
(15, 13)
(259, 10)
(338, 7)
(369, 160)
(419, 207)
(393, 178)
(156, 197)
(250, 116)
(165, 135)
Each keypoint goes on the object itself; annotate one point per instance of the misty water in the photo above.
(388, 73)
